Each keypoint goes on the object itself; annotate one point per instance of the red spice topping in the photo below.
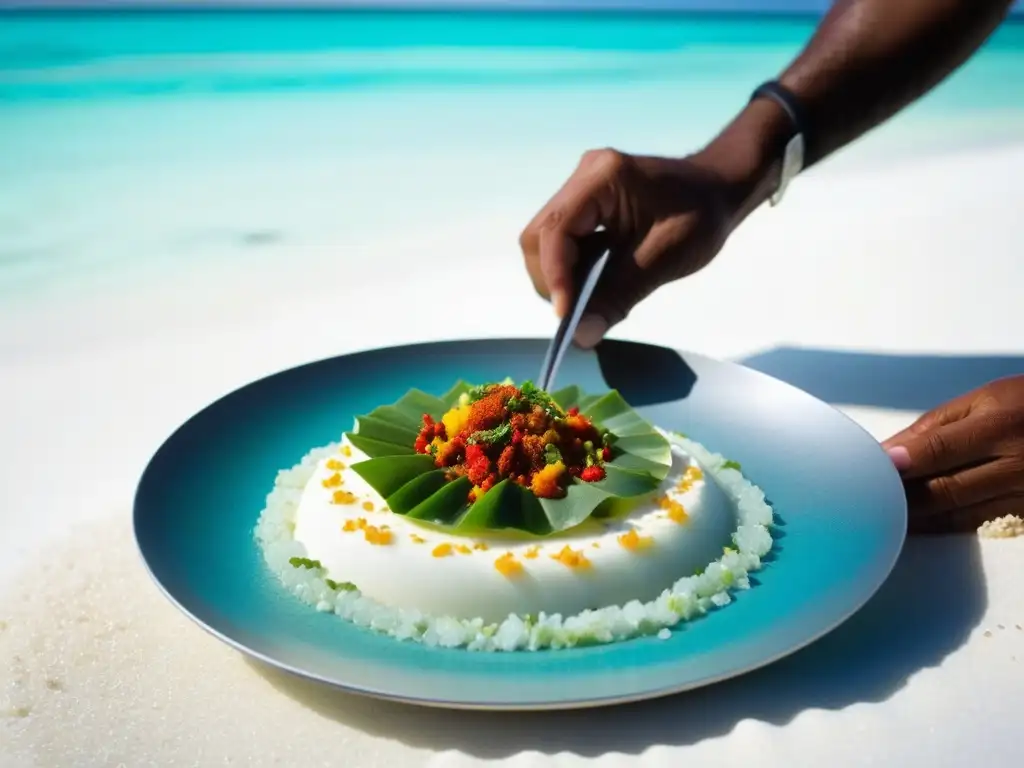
(514, 433)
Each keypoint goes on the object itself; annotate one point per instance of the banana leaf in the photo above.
(413, 486)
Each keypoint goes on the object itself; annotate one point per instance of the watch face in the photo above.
(792, 164)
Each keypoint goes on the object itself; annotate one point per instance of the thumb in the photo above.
(941, 416)
(942, 449)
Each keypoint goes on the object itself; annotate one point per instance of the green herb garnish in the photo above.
(341, 586)
(305, 562)
(497, 436)
(551, 454)
(732, 465)
(475, 393)
(540, 398)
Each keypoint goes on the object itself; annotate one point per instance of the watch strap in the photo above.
(795, 150)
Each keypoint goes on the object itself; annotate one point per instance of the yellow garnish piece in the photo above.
(475, 492)
(572, 558)
(596, 545)
(442, 550)
(675, 510)
(532, 552)
(335, 464)
(456, 419)
(376, 535)
(368, 506)
(633, 541)
(343, 497)
(417, 539)
(346, 451)
(689, 478)
(547, 480)
(354, 525)
(481, 546)
(463, 549)
(508, 566)
(333, 481)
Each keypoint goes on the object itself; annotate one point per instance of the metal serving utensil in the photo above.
(594, 251)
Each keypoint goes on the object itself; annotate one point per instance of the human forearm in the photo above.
(867, 60)
(871, 58)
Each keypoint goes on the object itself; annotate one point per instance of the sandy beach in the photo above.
(98, 384)
(187, 278)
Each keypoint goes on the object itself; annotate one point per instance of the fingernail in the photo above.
(590, 331)
(558, 301)
(900, 457)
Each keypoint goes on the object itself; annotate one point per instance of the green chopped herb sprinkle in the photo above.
(340, 586)
(477, 392)
(732, 465)
(551, 454)
(538, 397)
(500, 434)
(305, 562)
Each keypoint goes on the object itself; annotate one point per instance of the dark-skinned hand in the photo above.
(963, 462)
(667, 217)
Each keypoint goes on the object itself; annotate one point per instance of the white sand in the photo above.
(926, 257)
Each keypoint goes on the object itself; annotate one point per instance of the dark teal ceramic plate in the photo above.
(839, 503)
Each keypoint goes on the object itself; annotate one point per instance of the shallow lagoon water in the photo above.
(140, 146)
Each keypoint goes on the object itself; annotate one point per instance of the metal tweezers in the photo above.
(594, 252)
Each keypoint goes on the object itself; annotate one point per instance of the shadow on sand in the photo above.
(926, 610)
(903, 382)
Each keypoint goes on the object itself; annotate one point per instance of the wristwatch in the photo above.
(793, 155)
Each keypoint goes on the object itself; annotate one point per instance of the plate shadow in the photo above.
(644, 374)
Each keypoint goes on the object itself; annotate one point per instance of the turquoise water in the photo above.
(79, 56)
(149, 141)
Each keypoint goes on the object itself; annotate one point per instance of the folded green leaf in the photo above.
(445, 504)
(506, 505)
(415, 403)
(376, 448)
(389, 473)
(451, 397)
(387, 431)
(412, 485)
(415, 492)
